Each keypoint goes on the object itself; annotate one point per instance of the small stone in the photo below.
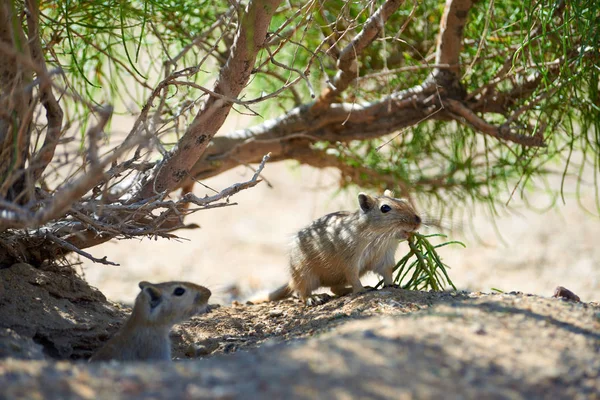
(276, 312)
(564, 293)
(235, 339)
(191, 350)
(203, 348)
(229, 348)
(202, 351)
(479, 329)
(369, 334)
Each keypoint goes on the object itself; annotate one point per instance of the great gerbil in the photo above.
(145, 335)
(336, 250)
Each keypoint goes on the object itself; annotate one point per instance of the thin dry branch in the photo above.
(94, 133)
(230, 191)
(146, 206)
(57, 205)
(16, 102)
(63, 199)
(201, 37)
(68, 246)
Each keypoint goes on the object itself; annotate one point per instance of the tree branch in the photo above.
(58, 204)
(54, 113)
(299, 127)
(347, 63)
(450, 42)
(232, 79)
(15, 101)
(230, 191)
(450, 38)
(499, 132)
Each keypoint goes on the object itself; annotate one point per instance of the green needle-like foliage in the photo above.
(106, 46)
(422, 268)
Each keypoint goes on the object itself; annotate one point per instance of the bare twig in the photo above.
(68, 246)
(59, 204)
(94, 133)
(296, 70)
(201, 37)
(408, 68)
(191, 198)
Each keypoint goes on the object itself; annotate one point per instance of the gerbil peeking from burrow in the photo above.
(145, 335)
(337, 249)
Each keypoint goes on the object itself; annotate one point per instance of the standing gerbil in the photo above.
(337, 249)
(145, 335)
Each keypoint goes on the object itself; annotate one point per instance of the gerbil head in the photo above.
(168, 303)
(388, 215)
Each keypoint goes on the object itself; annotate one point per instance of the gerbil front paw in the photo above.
(392, 285)
(317, 299)
(362, 290)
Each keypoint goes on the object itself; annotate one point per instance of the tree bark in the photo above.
(449, 46)
(286, 137)
(15, 111)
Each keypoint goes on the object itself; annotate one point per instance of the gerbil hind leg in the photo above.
(317, 299)
(305, 286)
(341, 290)
(312, 299)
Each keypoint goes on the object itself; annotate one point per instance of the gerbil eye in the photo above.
(179, 291)
(385, 208)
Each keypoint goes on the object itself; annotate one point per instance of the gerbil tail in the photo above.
(279, 294)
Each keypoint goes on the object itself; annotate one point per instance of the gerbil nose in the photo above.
(418, 220)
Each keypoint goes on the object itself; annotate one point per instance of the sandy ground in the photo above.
(387, 344)
(246, 245)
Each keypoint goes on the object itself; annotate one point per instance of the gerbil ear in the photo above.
(154, 293)
(388, 193)
(144, 284)
(366, 202)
